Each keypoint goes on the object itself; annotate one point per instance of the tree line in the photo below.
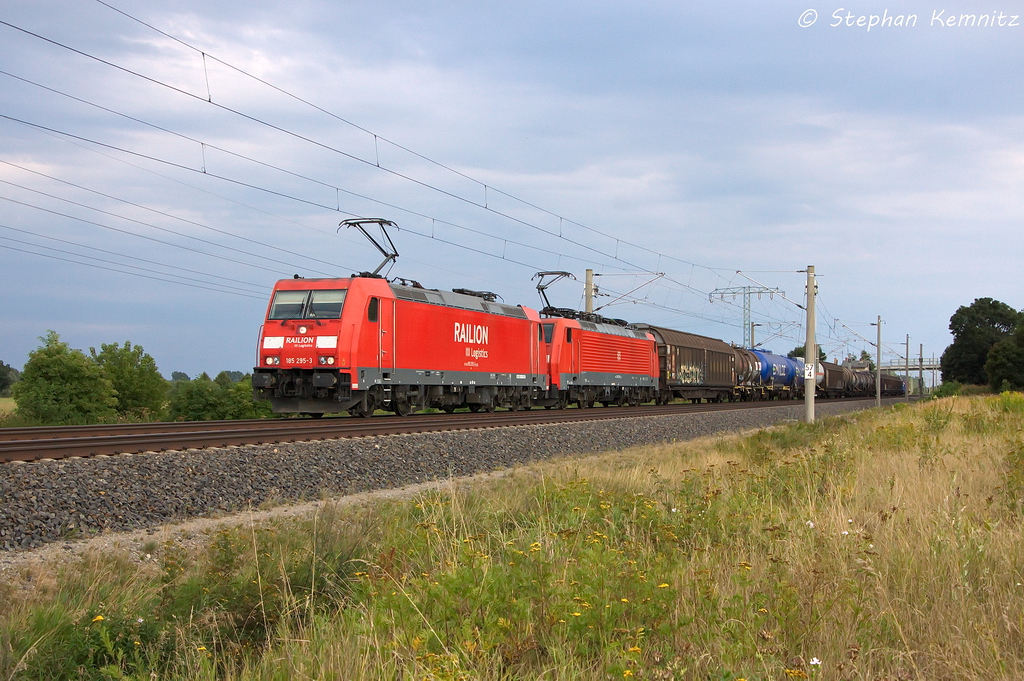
(60, 385)
(987, 348)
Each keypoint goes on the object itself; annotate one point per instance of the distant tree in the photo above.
(1004, 366)
(865, 356)
(197, 400)
(798, 351)
(179, 376)
(241, 405)
(63, 386)
(976, 328)
(8, 377)
(204, 399)
(140, 388)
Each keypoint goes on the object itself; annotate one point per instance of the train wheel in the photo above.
(581, 404)
(474, 408)
(363, 410)
(448, 409)
(492, 405)
(402, 407)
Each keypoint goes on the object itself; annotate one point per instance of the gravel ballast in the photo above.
(49, 501)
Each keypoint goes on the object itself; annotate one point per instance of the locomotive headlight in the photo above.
(330, 360)
(326, 360)
(273, 360)
(302, 329)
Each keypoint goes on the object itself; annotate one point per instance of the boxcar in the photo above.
(691, 366)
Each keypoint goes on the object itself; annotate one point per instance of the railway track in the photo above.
(33, 444)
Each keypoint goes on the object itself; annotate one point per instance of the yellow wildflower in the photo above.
(663, 585)
(98, 618)
(628, 672)
(634, 649)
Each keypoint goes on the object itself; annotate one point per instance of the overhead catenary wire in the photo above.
(208, 173)
(166, 214)
(307, 139)
(505, 241)
(135, 234)
(378, 137)
(427, 185)
(256, 286)
(292, 197)
(134, 274)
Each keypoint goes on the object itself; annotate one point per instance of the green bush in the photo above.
(205, 399)
(948, 389)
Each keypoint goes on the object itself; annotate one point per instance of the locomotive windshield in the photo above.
(307, 304)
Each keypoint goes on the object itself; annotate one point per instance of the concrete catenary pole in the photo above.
(878, 365)
(810, 351)
(906, 369)
(920, 371)
(588, 292)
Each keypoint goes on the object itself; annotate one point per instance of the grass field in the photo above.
(7, 405)
(883, 545)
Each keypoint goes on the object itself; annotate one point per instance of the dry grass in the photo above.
(7, 405)
(881, 546)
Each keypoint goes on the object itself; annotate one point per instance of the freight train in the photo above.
(364, 343)
(360, 344)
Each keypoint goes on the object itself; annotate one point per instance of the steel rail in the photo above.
(31, 444)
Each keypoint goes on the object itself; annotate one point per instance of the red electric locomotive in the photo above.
(333, 345)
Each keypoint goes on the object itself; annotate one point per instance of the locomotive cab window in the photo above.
(373, 310)
(288, 305)
(568, 335)
(325, 304)
(549, 332)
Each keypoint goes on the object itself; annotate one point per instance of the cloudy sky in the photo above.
(156, 180)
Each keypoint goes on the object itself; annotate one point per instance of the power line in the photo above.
(124, 231)
(173, 164)
(330, 148)
(378, 137)
(129, 257)
(390, 171)
(164, 214)
(134, 274)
